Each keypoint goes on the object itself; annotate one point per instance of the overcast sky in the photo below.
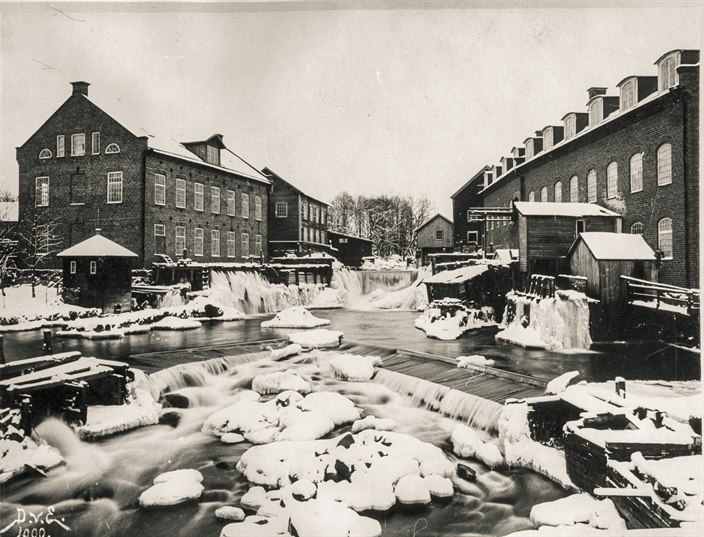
(368, 101)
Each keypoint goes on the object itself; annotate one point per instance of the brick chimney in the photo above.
(593, 92)
(80, 87)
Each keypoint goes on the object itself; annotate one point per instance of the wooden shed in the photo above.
(98, 274)
(546, 231)
(603, 258)
(434, 236)
(350, 249)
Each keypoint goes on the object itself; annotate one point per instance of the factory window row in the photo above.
(215, 244)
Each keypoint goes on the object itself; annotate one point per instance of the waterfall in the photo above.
(172, 298)
(387, 289)
(474, 411)
(557, 323)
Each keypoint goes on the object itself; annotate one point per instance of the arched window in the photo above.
(574, 189)
(558, 192)
(664, 164)
(544, 194)
(637, 172)
(112, 148)
(591, 186)
(637, 228)
(44, 154)
(531, 196)
(665, 237)
(612, 180)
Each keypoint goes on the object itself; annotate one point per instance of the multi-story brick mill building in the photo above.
(84, 170)
(635, 153)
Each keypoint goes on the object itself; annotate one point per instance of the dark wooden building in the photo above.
(603, 258)
(350, 249)
(434, 236)
(298, 223)
(546, 231)
(97, 273)
(468, 230)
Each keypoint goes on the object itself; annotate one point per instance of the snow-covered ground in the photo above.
(20, 311)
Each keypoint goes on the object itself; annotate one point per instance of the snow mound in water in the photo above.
(372, 422)
(475, 359)
(172, 488)
(227, 512)
(449, 319)
(317, 339)
(440, 487)
(105, 420)
(286, 352)
(295, 317)
(330, 519)
(578, 509)
(353, 367)
(412, 490)
(280, 381)
(467, 443)
(175, 323)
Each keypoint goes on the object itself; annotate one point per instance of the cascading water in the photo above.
(172, 298)
(397, 289)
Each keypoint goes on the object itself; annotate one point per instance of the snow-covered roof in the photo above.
(436, 215)
(9, 211)
(506, 255)
(617, 246)
(458, 275)
(548, 208)
(97, 246)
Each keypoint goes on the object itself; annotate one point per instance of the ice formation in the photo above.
(467, 444)
(449, 319)
(372, 422)
(316, 339)
(295, 317)
(475, 359)
(286, 352)
(280, 381)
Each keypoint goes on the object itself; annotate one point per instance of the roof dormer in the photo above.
(668, 63)
(518, 152)
(534, 145)
(574, 122)
(506, 164)
(496, 172)
(600, 107)
(207, 150)
(552, 134)
(488, 178)
(634, 89)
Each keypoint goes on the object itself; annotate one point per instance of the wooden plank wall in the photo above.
(426, 235)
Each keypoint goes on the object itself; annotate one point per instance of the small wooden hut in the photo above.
(350, 249)
(603, 258)
(434, 236)
(98, 271)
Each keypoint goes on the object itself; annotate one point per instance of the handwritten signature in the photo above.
(28, 524)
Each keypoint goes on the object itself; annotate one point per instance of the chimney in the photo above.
(593, 92)
(80, 87)
(98, 230)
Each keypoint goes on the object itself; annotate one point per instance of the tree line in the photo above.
(388, 221)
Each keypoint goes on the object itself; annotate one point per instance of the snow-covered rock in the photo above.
(172, 488)
(576, 509)
(303, 490)
(295, 317)
(280, 381)
(475, 359)
(465, 441)
(490, 455)
(231, 438)
(105, 420)
(175, 323)
(559, 384)
(411, 490)
(227, 512)
(336, 406)
(440, 487)
(286, 352)
(326, 518)
(353, 367)
(372, 422)
(317, 339)
(254, 498)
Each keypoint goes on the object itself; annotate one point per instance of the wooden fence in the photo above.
(661, 294)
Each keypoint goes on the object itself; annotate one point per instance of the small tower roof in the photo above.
(97, 246)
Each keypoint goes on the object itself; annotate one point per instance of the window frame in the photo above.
(198, 197)
(112, 149)
(231, 240)
(179, 251)
(636, 157)
(72, 267)
(120, 182)
(198, 239)
(95, 143)
(612, 180)
(45, 154)
(666, 232)
(257, 244)
(531, 195)
(281, 214)
(159, 178)
(231, 197)
(78, 136)
(476, 234)
(93, 267)
(215, 199)
(592, 182)
(244, 210)
(45, 186)
(180, 189)
(544, 194)
(664, 179)
(574, 189)
(439, 234)
(258, 208)
(163, 227)
(244, 244)
(214, 239)
(60, 145)
(633, 227)
(557, 187)
(628, 95)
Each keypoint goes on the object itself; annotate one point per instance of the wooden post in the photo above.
(2, 351)
(620, 383)
(46, 346)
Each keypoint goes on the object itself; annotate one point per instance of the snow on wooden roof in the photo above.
(436, 215)
(617, 246)
(458, 275)
(97, 246)
(574, 210)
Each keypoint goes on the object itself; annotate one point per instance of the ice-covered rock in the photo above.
(303, 490)
(317, 339)
(440, 487)
(256, 527)
(576, 509)
(280, 381)
(286, 352)
(231, 438)
(372, 422)
(172, 488)
(490, 455)
(475, 359)
(227, 512)
(295, 317)
(175, 323)
(559, 384)
(326, 518)
(353, 367)
(254, 498)
(412, 489)
(465, 441)
(336, 406)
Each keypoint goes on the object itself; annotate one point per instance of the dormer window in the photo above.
(547, 138)
(667, 74)
(112, 148)
(596, 112)
(628, 95)
(570, 126)
(212, 155)
(45, 154)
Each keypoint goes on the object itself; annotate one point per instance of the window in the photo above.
(45, 239)
(198, 241)
(159, 239)
(95, 143)
(245, 205)
(230, 244)
(323, 216)
(257, 245)
(112, 149)
(439, 234)
(114, 187)
(281, 209)
(637, 228)
(60, 145)
(181, 193)
(637, 172)
(596, 112)
(544, 194)
(570, 126)
(628, 95)
(78, 145)
(574, 189)
(231, 203)
(591, 186)
(558, 192)
(44, 154)
(664, 165)
(198, 196)
(93, 267)
(212, 155)
(245, 244)
(472, 237)
(547, 138)
(531, 196)
(304, 209)
(159, 230)
(159, 189)
(257, 207)
(72, 267)
(665, 237)
(612, 180)
(180, 239)
(215, 200)
(667, 74)
(42, 192)
(581, 226)
(215, 243)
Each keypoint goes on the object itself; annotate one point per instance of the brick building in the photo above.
(468, 231)
(635, 153)
(83, 169)
(298, 223)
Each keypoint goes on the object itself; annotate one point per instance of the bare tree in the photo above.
(39, 240)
